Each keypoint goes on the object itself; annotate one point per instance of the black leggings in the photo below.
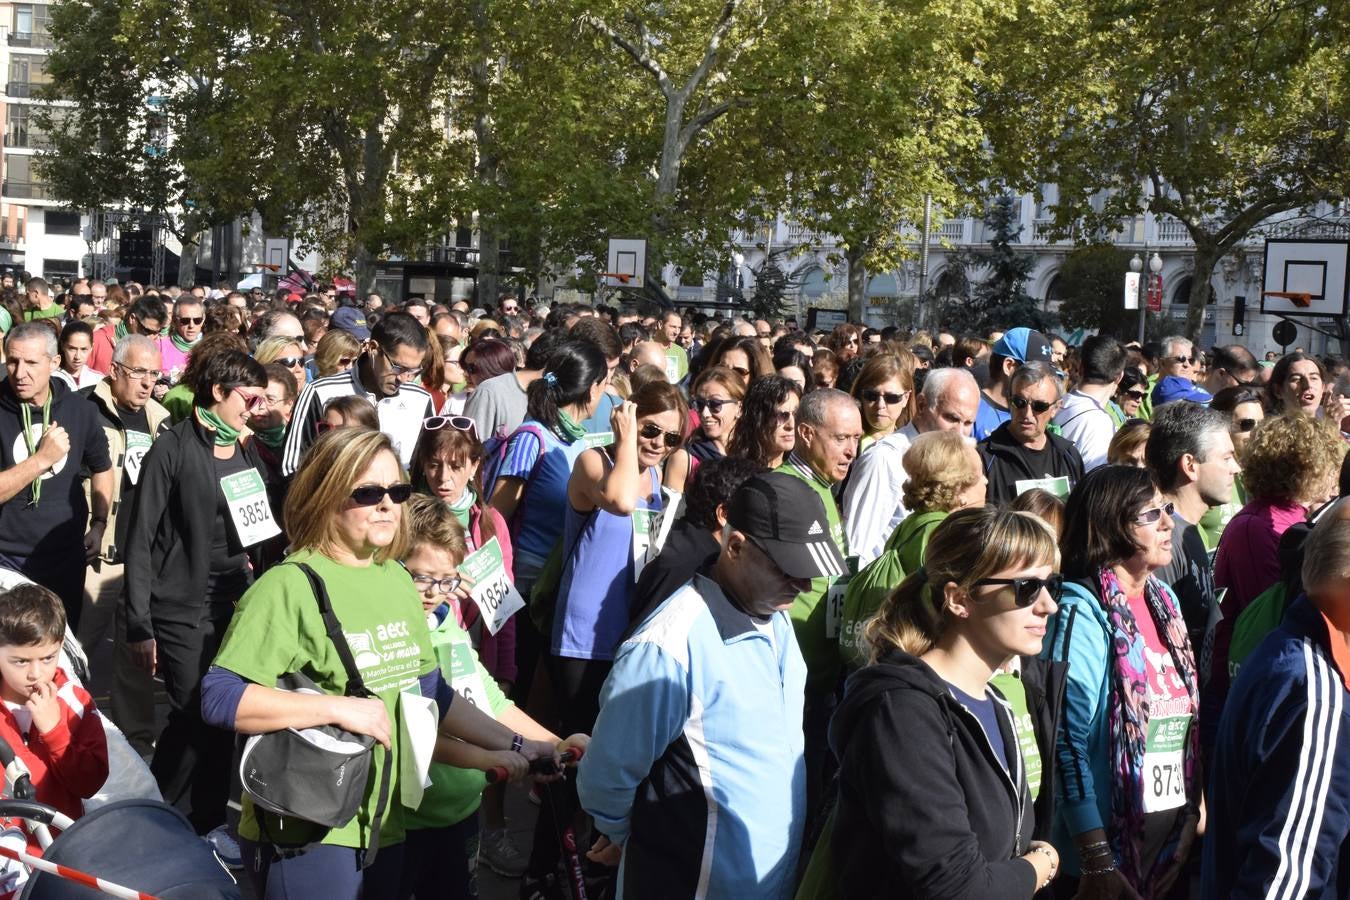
(576, 685)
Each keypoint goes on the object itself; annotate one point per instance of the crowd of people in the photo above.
(851, 614)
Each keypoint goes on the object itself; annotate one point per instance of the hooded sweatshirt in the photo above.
(926, 806)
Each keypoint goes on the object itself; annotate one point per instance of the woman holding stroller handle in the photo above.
(933, 791)
(345, 520)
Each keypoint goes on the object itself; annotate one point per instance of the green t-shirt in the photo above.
(277, 630)
(455, 794)
(808, 613)
(1010, 685)
(50, 312)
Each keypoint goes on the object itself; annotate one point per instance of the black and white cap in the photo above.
(786, 519)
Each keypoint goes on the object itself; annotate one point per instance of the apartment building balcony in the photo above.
(27, 141)
(11, 240)
(30, 40)
(25, 190)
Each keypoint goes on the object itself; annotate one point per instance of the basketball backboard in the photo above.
(627, 256)
(1311, 272)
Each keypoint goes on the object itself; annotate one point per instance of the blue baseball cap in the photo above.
(1023, 345)
(1174, 387)
(351, 320)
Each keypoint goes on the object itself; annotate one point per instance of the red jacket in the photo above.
(100, 357)
(68, 763)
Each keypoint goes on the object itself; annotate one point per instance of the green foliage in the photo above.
(1091, 282)
(999, 299)
(769, 298)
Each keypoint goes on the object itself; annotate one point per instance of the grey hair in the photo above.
(27, 331)
(939, 381)
(1173, 340)
(1179, 428)
(133, 342)
(816, 404)
(1033, 373)
(190, 300)
(1326, 554)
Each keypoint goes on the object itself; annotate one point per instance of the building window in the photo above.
(62, 222)
(23, 20)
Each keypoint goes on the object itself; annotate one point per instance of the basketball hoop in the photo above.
(622, 277)
(1298, 298)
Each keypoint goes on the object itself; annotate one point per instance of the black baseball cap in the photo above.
(786, 519)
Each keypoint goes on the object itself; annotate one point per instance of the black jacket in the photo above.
(925, 808)
(168, 552)
(1007, 462)
(688, 550)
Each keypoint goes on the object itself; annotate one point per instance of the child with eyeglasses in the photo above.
(442, 844)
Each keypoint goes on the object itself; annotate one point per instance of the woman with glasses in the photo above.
(486, 358)
(288, 353)
(201, 510)
(267, 440)
(767, 429)
(716, 397)
(884, 390)
(1131, 393)
(1244, 405)
(744, 356)
(1127, 794)
(934, 789)
(336, 352)
(344, 517)
(845, 341)
(1297, 385)
(454, 381)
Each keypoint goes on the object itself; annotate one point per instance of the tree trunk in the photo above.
(364, 261)
(1206, 258)
(187, 259)
(857, 284)
(482, 77)
(489, 262)
(667, 181)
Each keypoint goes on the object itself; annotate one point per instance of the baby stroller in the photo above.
(141, 849)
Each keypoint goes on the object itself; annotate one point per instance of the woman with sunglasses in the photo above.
(884, 390)
(845, 341)
(287, 352)
(1128, 793)
(336, 352)
(716, 395)
(744, 356)
(1131, 393)
(201, 511)
(344, 517)
(486, 358)
(767, 429)
(934, 790)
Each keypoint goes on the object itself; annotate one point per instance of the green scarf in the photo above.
(462, 506)
(273, 437)
(26, 418)
(183, 343)
(225, 435)
(121, 330)
(569, 429)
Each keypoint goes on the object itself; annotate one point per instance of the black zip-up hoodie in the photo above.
(926, 810)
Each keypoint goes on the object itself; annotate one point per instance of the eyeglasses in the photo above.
(138, 374)
(510, 310)
(290, 362)
(191, 320)
(784, 416)
(1152, 515)
(371, 494)
(712, 404)
(459, 423)
(346, 360)
(1184, 360)
(1026, 590)
(411, 371)
(1137, 396)
(1039, 407)
(254, 403)
(652, 430)
(426, 584)
(873, 396)
(1242, 426)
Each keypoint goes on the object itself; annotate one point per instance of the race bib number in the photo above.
(493, 592)
(246, 498)
(459, 660)
(834, 607)
(597, 439)
(1057, 486)
(138, 444)
(651, 527)
(1165, 763)
(672, 370)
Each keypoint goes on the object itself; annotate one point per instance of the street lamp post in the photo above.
(1145, 284)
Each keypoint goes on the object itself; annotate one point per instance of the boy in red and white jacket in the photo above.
(48, 719)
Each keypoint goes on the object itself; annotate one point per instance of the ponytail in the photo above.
(570, 373)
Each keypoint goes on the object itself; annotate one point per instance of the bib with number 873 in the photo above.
(1164, 773)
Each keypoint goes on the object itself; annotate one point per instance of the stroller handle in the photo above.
(541, 766)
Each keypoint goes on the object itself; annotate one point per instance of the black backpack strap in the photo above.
(356, 687)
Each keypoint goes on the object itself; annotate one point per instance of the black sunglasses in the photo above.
(652, 430)
(191, 320)
(873, 396)
(1037, 406)
(371, 494)
(712, 404)
(1026, 590)
(1242, 426)
(1136, 395)
(290, 362)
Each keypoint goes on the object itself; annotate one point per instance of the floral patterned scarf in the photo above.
(1128, 719)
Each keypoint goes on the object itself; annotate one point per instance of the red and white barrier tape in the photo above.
(98, 884)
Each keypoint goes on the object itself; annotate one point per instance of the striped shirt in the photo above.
(400, 415)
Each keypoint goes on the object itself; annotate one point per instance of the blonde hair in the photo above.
(270, 350)
(432, 522)
(1291, 458)
(968, 545)
(333, 346)
(938, 466)
(329, 471)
